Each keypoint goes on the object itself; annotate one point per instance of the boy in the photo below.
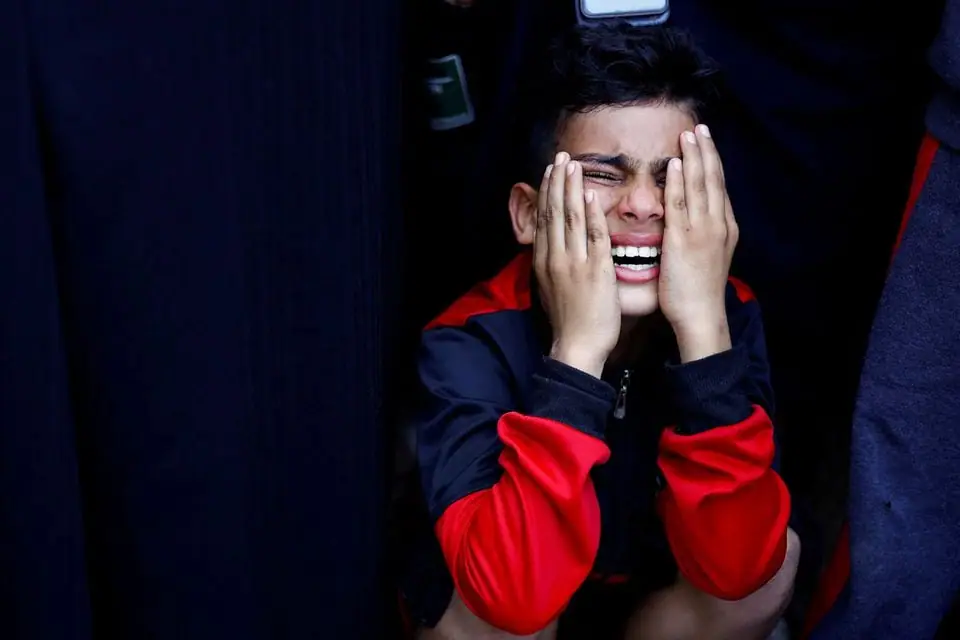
(593, 431)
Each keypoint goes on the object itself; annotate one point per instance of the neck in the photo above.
(635, 337)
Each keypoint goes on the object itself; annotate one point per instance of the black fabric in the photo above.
(709, 392)
(819, 127)
(199, 233)
(808, 84)
(562, 393)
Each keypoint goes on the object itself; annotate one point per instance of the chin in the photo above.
(638, 300)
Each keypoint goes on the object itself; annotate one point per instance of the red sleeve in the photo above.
(519, 550)
(515, 509)
(724, 508)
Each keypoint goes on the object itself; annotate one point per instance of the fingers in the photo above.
(674, 201)
(554, 208)
(694, 187)
(712, 174)
(573, 207)
(569, 230)
(540, 240)
(717, 197)
(598, 236)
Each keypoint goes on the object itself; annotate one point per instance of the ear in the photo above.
(523, 212)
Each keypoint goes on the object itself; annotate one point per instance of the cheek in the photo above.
(607, 198)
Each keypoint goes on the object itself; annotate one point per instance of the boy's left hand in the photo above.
(699, 237)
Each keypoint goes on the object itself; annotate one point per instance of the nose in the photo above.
(641, 202)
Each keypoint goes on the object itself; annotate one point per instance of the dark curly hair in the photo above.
(615, 63)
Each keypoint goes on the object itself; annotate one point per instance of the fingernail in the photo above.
(590, 196)
(675, 164)
(571, 168)
(561, 158)
(704, 130)
(692, 139)
(548, 171)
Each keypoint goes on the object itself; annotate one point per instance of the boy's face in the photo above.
(624, 152)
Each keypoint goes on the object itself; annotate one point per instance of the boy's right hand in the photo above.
(574, 269)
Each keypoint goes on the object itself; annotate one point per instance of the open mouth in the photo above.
(636, 258)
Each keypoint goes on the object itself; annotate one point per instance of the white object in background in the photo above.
(623, 8)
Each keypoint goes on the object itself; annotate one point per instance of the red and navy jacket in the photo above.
(538, 476)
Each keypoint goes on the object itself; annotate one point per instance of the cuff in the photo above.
(709, 392)
(562, 393)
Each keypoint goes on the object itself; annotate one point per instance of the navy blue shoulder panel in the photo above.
(469, 375)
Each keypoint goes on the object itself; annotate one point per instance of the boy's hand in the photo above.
(698, 241)
(574, 268)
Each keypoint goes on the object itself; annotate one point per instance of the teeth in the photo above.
(637, 267)
(635, 252)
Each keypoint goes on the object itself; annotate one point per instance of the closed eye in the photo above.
(599, 175)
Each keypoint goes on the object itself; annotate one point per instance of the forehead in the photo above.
(644, 132)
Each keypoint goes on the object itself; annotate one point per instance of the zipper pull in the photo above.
(620, 409)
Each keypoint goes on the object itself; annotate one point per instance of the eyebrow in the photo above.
(659, 165)
(622, 162)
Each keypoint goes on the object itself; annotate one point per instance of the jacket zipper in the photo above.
(620, 408)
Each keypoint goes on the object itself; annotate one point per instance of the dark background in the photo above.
(219, 233)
